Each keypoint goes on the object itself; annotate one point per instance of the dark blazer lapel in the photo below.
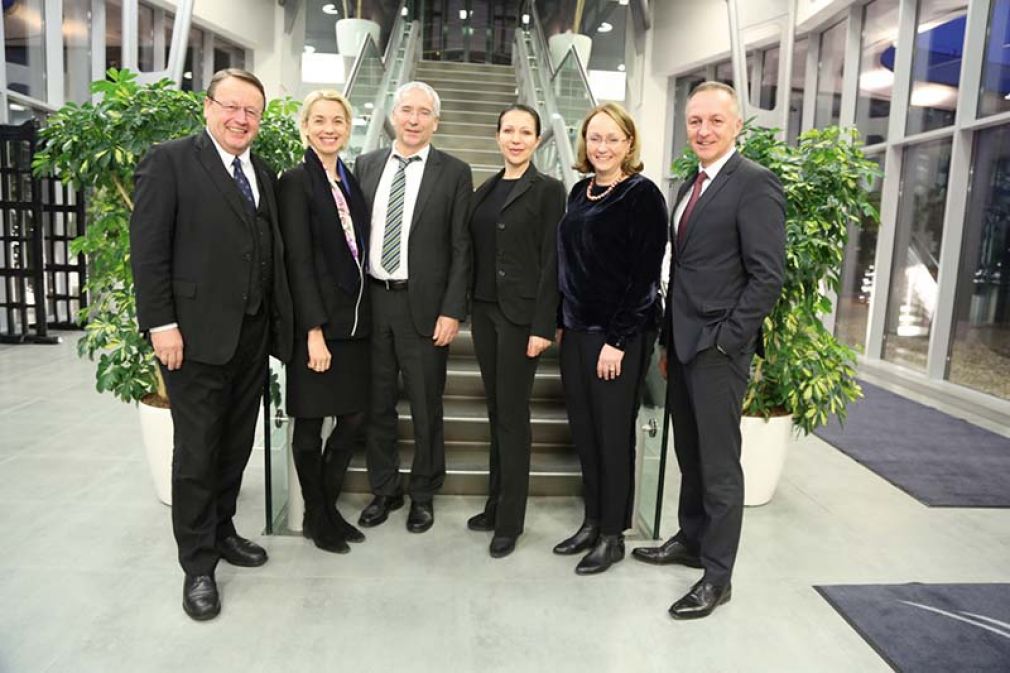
(483, 191)
(429, 180)
(522, 186)
(211, 160)
(724, 176)
(373, 174)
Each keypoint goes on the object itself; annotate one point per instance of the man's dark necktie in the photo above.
(691, 203)
(243, 185)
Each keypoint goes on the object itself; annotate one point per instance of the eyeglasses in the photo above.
(250, 112)
(422, 112)
(610, 141)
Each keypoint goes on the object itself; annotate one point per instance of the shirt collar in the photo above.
(422, 153)
(227, 157)
(716, 166)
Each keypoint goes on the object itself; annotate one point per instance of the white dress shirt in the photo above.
(250, 173)
(412, 173)
(711, 171)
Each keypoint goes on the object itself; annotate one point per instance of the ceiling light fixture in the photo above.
(604, 28)
(309, 49)
(330, 8)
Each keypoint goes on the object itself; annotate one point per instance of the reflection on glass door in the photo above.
(650, 451)
(468, 31)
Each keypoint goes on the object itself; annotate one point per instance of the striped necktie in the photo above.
(243, 184)
(394, 216)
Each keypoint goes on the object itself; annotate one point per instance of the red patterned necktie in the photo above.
(691, 203)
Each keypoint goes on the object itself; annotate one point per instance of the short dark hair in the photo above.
(521, 108)
(237, 73)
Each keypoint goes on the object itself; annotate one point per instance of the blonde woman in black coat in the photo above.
(513, 224)
(324, 221)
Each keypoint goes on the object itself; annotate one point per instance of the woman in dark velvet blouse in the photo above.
(610, 248)
(324, 220)
(513, 223)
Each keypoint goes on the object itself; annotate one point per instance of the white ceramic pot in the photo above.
(762, 455)
(351, 34)
(157, 431)
(560, 44)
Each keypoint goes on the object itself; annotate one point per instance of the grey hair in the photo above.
(403, 89)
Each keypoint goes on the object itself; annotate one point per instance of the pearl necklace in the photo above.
(592, 183)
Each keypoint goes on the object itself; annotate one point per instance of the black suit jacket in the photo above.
(728, 273)
(191, 243)
(327, 285)
(438, 244)
(526, 244)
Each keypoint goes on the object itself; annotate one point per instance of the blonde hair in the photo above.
(632, 163)
(313, 98)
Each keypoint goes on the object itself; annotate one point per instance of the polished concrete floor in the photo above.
(89, 582)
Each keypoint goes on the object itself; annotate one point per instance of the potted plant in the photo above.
(96, 146)
(352, 31)
(806, 375)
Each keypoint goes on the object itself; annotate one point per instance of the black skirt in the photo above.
(344, 388)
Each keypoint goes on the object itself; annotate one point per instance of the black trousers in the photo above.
(214, 409)
(706, 399)
(397, 349)
(602, 418)
(508, 385)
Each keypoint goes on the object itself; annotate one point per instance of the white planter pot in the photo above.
(762, 455)
(560, 44)
(157, 431)
(351, 34)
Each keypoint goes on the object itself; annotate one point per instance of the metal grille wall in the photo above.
(42, 283)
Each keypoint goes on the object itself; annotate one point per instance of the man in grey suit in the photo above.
(726, 273)
(419, 271)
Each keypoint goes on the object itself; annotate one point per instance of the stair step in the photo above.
(462, 346)
(482, 174)
(463, 380)
(466, 472)
(453, 128)
(453, 142)
(465, 420)
(453, 115)
(478, 156)
(483, 84)
(449, 68)
(480, 104)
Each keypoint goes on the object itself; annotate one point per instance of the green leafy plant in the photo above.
(96, 146)
(806, 372)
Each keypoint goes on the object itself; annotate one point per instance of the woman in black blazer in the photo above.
(324, 221)
(610, 249)
(513, 223)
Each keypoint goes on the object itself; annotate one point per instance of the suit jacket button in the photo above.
(247, 257)
(501, 273)
(501, 226)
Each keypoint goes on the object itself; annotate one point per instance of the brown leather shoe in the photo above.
(672, 551)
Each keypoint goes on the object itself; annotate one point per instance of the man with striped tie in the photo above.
(419, 268)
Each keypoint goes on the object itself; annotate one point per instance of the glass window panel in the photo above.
(145, 38)
(859, 275)
(768, 94)
(936, 65)
(76, 50)
(796, 90)
(980, 347)
(222, 58)
(876, 69)
(192, 72)
(113, 34)
(684, 86)
(169, 22)
(995, 94)
(829, 76)
(24, 31)
(918, 233)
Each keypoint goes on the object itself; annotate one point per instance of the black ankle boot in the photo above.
(609, 550)
(316, 525)
(584, 538)
(336, 460)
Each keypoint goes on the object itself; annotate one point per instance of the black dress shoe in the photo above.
(200, 599)
(584, 538)
(483, 522)
(609, 549)
(671, 551)
(378, 510)
(239, 551)
(703, 598)
(502, 546)
(421, 517)
(347, 531)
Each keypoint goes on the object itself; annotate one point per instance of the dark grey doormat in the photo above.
(926, 628)
(939, 460)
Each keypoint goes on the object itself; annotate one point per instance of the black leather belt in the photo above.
(390, 284)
